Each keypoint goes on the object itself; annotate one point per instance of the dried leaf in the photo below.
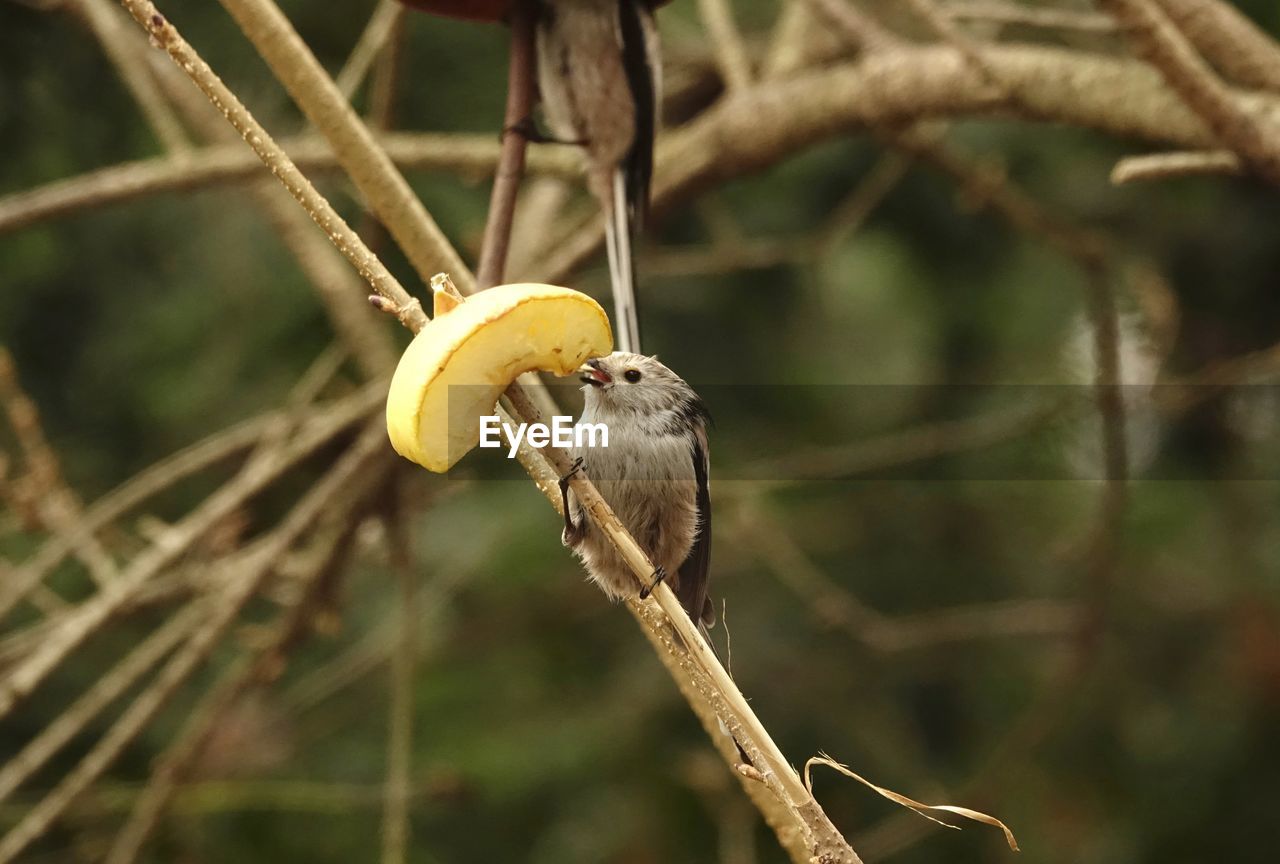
(824, 759)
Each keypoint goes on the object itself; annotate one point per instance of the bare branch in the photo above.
(318, 431)
(77, 624)
(1160, 42)
(114, 34)
(382, 24)
(252, 567)
(1006, 12)
(726, 42)
(397, 788)
(104, 691)
(220, 164)
(1162, 166)
(1228, 40)
(373, 173)
(332, 540)
(506, 181)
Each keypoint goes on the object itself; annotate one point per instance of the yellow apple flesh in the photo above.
(458, 365)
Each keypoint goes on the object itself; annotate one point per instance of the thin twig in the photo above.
(904, 447)
(167, 36)
(79, 623)
(333, 538)
(220, 164)
(104, 691)
(397, 788)
(382, 23)
(253, 566)
(1164, 166)
(385, 86)
(368, 166)
(1160, 42)
(334, 420)
(1229, 40)
(1006, 12)
(113, 32)
(726, 42)
(506, 181)
(43, 494)
(858, 28)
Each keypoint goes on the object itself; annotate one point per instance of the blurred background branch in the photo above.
(1025, 596)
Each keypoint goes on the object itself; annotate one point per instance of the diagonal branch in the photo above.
(1228, 40)
(1160, 41)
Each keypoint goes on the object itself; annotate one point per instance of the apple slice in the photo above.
(458, 365)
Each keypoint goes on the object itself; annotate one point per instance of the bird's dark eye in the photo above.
(632, 375)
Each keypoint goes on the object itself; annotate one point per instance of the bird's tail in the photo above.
(620, 231)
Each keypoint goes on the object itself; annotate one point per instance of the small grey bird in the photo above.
(599, 73)
(653, 473)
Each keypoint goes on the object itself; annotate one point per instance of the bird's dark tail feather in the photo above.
(620, 231)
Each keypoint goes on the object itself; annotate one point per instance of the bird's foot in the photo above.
(571, 536)
(658, 576)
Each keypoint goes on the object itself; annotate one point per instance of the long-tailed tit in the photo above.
(599, 73)
(653, 473)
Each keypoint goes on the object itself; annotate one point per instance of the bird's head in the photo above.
(625, 383)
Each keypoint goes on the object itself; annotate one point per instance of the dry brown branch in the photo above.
(506, 180)
(257, 137)
(791, 810)
(835, 606)
(792, 802)
(77, 624)
(397, 785)
(104, 691)
(949, 33)
(1164, 166)
(366, 656)
(317, 431)
(858, 28)
(385, 85)
(763, 125)
(851, 214)
(368, 166)
(386, 17)
(1228, 40)
(1116, 97)
(1005, 12)
(220, 164)
(115, 35)
(41, 496)
(726, 42)
(244, 574)
(321, 559)
(904, 447)
(788, 41)
(1160, 42)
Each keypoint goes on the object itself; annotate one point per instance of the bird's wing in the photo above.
(695, 571)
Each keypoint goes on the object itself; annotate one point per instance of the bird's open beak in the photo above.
(592, 374)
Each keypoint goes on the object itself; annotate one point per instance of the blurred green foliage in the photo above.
(545, 729)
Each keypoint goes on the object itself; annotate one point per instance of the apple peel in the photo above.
(457, 366)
